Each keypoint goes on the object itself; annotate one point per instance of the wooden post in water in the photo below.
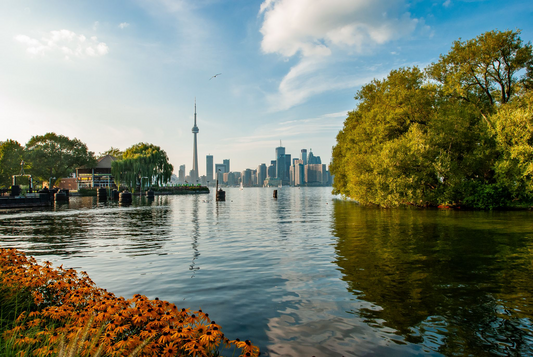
(275, 194)
(220, 194)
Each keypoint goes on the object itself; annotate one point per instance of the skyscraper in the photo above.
(226, 162)
(303, 156)
(261, 174)
(195, 130)
(280, 162)
(209, 167)
(182, 174)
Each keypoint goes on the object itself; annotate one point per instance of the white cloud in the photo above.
(320, 31)
(63, 42)
(314, 26)
(123, 25)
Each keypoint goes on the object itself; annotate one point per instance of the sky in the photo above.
(116, 73)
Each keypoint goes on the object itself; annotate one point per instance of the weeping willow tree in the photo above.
(142, 161)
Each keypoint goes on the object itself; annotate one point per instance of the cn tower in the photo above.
(195, 130)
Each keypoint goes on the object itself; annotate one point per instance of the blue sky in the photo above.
(115, 73)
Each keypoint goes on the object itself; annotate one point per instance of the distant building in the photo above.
(181, 174)
(303, 156)
(311, 158)
(299, 173)
(271, 170)
(220, 170)
(261, 174)
(209, 168)
(68, 183)
(287, 169)
(226, 162)
(315, 174)
(98, 176)
(280, 162)
(247, 178)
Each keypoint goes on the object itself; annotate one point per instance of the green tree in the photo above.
(381, 156)
(486, 70)
(142, 160)
(113, 152)
(446, 135)
(11, 154)
(513, 128)
(53, 155)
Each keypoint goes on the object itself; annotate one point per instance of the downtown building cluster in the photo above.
(307, 170)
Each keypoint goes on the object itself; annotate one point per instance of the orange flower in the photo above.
(170, 350)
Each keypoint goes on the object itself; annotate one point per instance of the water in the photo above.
(307, 274)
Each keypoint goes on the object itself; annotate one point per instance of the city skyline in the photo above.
(113, 74)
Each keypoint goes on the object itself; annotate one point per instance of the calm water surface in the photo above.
(307, 274)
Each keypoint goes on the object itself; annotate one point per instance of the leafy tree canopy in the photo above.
(142, 160)
(11, 155)
(458, 133)
(113, 152)
(53, 155)
(485, 70)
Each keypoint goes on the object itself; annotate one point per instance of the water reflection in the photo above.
(455, 282)
(83, 225)
(195, 235)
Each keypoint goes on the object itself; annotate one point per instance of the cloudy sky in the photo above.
(115, 73)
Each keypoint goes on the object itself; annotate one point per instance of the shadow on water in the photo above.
(457, 283)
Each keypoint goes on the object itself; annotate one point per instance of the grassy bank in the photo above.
(47, 311)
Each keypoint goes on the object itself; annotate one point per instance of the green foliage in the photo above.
(142, 160)
(113, 152)
(444, 136)
(11, 154)
(484, 70)
(53, 155)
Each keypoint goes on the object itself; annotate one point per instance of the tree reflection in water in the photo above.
(456, 282)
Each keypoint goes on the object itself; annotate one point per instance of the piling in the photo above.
(15, 191)
(150, 194)
(275, 195)
(125, 197)
(102, 194)
(60, 196)
(221, 195)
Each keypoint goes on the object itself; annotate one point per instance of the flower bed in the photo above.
(56, 311)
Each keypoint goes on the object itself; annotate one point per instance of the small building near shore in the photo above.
(68, 183)
(98, 176)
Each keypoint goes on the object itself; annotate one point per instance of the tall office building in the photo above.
(181, 176)
(311, 158)
(226, 162)
(209, 168)
(280, 162)
(261, 174)
(195, 130)
(247, 178)
(288, 163)
(303, 156)
(299, 173)
(271, 171)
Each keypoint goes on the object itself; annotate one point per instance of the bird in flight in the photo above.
(218, 74)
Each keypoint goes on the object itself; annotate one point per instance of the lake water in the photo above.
(307, 274)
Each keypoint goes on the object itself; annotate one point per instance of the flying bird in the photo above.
(218, 74)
